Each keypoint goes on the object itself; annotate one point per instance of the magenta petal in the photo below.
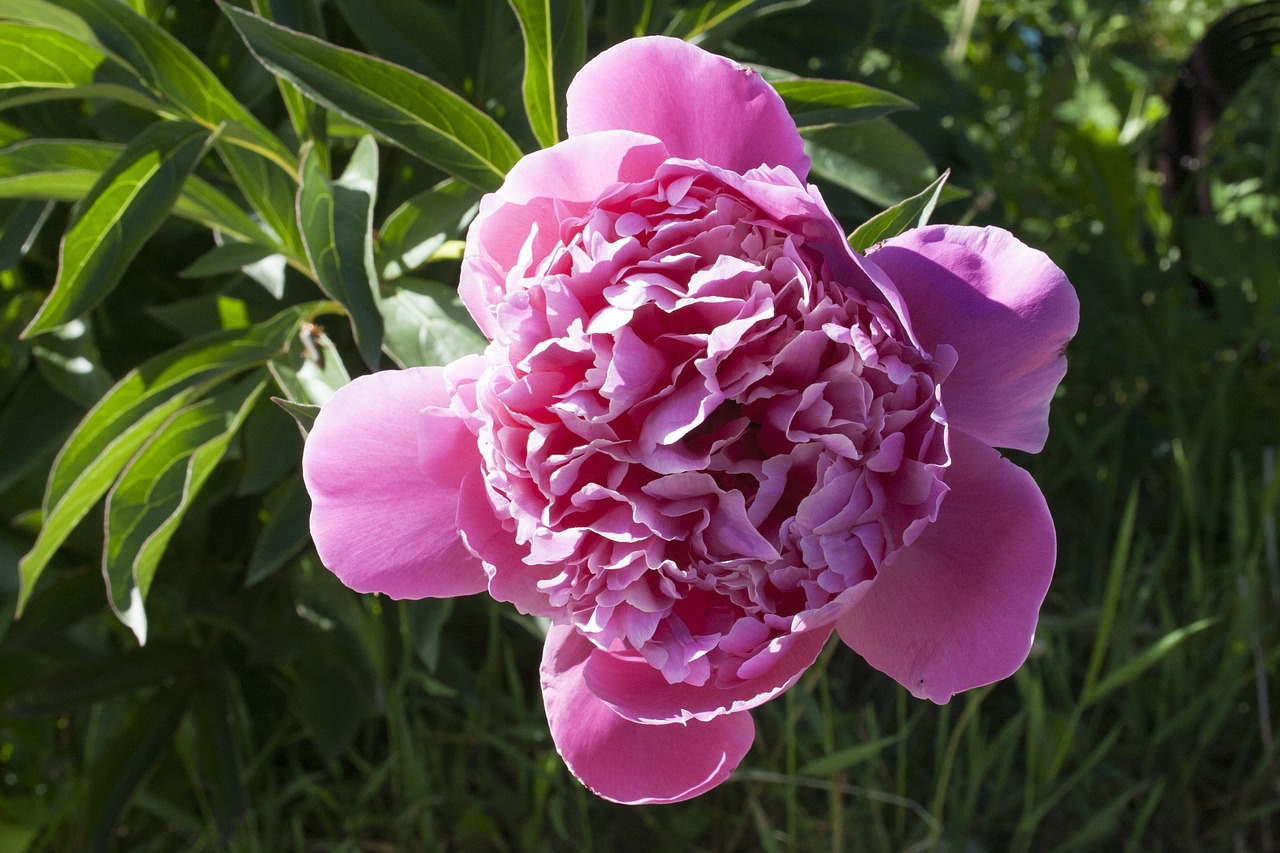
(540, 190)
(382, 508)
(958, 607)
(628, 762)
(701, 105)
(1006, 309)
(639, 692)
(510, 579)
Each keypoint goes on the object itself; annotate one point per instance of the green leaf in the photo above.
(419, 227)
(539, 69)
(123, 208)
(21, 224)
(429, 47)
(69, 359)
(44, 58)
(1144, 660)
(311, 373)
(86, 683)
(285, 532)
(66, 170)
(153, 493)
(913, 212)
(874, 159)
(112, 432)
(157, 59)
(336, 221)
(427, 324)
(37, 419)
(227, 258)
(409, 110)
(304, 414)
(130, 754)
(813, 102)
(846, 758)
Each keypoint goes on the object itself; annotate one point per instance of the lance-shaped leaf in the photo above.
(20, 224)
(158, 485)
(813, 102)
(113, 431)
(404, 107)
(66, 170)
(539, 69)
(336, 221)
(158, 60)
(164, 66)
(912, 212)
(44, 58)
(427, 324)
(416, 229)
(124, 207)
(874, 159)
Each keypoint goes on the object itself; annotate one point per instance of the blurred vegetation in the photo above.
(272, 709)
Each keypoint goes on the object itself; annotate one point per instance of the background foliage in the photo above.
(202, 210)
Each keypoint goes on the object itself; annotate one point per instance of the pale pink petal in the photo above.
(958, 607)
(701, 105)
(383, 509)
(639, 692)
(1006, 309)
(629, 762)
(541, 189)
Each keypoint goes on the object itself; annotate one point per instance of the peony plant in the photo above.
(706, 434)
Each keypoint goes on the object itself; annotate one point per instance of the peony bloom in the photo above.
(706, 434)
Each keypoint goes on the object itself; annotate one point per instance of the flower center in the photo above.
(699, 426)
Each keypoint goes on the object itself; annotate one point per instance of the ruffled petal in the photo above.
(510, 579)
(637, 691)
(383, 509)
(701, 105)
(957, 609)
(629, 762)
(1006, 309)
(539, 192)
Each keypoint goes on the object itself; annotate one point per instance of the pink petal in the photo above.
(382, 509)
(958, 607)
(639, 692)
(539, 191)
(1007, 310)
(509, 578)
(630, 762)
(701, 105)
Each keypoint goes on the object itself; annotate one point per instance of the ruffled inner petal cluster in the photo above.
(703, 423)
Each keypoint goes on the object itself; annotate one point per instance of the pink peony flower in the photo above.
(706, 433)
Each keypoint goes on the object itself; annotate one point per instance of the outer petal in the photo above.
(957, 609)
(539, 191)
(639, 692)
(701, 105)
(382, 508)
(630, 762)
(1007, 310)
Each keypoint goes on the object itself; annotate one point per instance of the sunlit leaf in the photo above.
(817, 102)
(420, 226)
(427, 324)
(124, 207)
(913, 212)
(153, 493)
(336, 221)
(112, 432)
(539, 69)
(44, 58)
(400, 105)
